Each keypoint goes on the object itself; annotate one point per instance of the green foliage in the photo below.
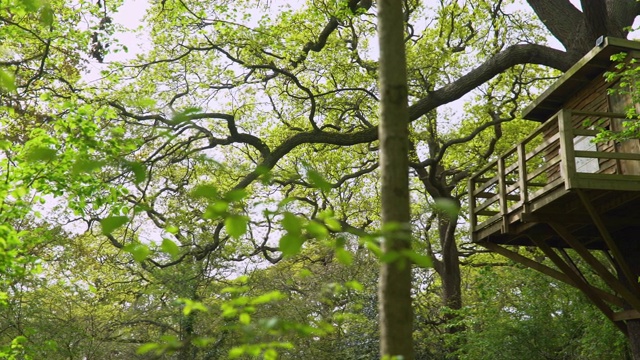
(111, 223)
(510, 319)
(236, 144)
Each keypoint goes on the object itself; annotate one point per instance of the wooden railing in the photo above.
(559, 153)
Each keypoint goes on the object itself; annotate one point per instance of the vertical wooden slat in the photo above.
(567, 153)
(522, 172)
(473, 219)
(502, 193)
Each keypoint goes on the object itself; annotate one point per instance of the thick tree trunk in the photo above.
(633, 331)
(394, 293)
(450, 275)
(578, 30)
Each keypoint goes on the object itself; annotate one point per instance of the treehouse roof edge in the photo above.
(592, 65)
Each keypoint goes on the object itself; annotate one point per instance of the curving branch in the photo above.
(511, 56)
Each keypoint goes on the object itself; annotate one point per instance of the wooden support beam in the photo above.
(572, 264)
(512, 255)
(579, 283)
(612, 281)
(626, 315)
(632, 278)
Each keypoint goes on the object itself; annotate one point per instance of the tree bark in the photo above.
(394, 291)
(578, 30)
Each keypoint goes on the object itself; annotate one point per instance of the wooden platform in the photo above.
(539, 182)
(619, 210)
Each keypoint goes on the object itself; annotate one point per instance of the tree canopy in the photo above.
(215, 192)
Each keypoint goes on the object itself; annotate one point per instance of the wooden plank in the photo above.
(487, 212)
(585, 132)
(606, 155)
(566, 146)
(556, 160)
(611, 177)
(502, 186)
(473, 221)
(626, 315)
(548, 142)
(599, 114)
(576, 218)
(488, 203)
(488, 195)
(583, 182)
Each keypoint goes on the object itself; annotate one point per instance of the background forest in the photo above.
(213, 192)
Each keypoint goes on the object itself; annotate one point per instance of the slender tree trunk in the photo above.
(396, 315)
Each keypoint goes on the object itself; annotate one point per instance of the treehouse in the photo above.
(561, 196)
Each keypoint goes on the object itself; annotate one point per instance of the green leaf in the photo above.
(170, 247)
(46, 15)
(390, 257)
(292, 224)
(267, 298)
(304, 273)
(333, 224)
(317, 230)
(374, 248)
(318, 181)
(203, 341)
(344, 256)
(244, 319)
(191, 306)
(447, 206)
(291, 244)
(216, 209)
(139, 171)
(7, 81)
(41, 154)
(205, 191)
(236, 225)
(84, 165)
(184, 115)
(270, 354)
(172, 229)
(418, 259)
(145, 348)
(111, 223)
(355, 285)
(236, 352)
(139, 251)
(235, 195)
(145, 102)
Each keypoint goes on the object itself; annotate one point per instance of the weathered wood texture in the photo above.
(559, 190)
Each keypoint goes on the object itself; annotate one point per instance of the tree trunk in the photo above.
(450, 274)
(394, 292)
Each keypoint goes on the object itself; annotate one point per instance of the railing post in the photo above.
(473, 219)
(567, 152)
(502, 194)
(522, 173)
